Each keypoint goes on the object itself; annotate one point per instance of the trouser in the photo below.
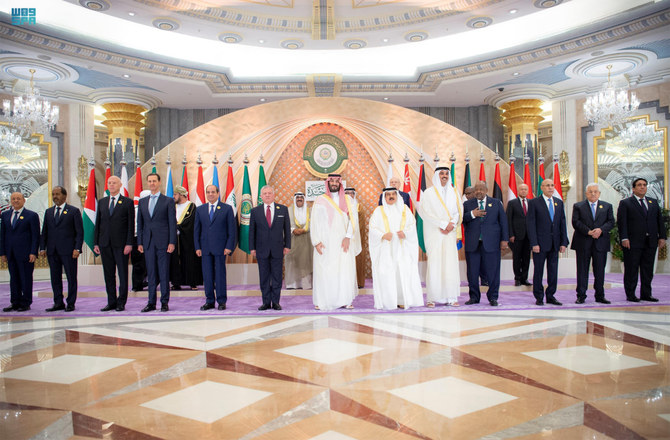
(58, 263)
(113, 260)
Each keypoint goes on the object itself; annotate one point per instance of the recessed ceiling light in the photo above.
(261, 41)
(385, 40)
(262, 100)
(516, 74)
(132, 14)
(125, 75)
(513, 11)
(386, 99)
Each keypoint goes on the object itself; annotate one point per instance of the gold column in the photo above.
(522, 117)
(123, 122)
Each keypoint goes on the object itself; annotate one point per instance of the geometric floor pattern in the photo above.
(597, 373)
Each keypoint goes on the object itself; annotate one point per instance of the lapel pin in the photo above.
(120, 201)
(555, 204)
(21, 217)
(64, 212)
(600, 206)
(490, 205)
(218, 207)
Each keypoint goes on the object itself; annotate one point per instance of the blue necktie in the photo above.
(211, 212)
(551, 209)
(593, 210)
(152, 205)
(16, 217)
(111, 205)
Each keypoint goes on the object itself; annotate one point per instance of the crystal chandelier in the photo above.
(639, 135)
(13, 149)
(30, 113)
(611, 106)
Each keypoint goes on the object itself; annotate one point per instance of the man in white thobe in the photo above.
(441, 212)
(336, 240)
(394, 251)
(298, 262)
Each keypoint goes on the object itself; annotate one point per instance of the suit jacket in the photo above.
(516, 219)
(212, 237)
(403, 194)
(541, 230)
(22, 240)
(583, 222)
(117, 230)
(64, 237)
(270, 241)
(636, 227)
(160, 230)
(492, 227)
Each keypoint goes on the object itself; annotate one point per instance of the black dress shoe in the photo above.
(603, 301)
(650, 299)
(175, 287)
(69, 308)
(120, 308)
(276, 306)
(539, 302)
(471, 302)
(526, 283)
(148, 308)
(22, 309)
(222, 307)
(264, 307)
(494, 303)
(9, 309)
(206, 307)
(554, 302)
(579, 301)
(107, 308)
(55, 308)
(517, 282)
(485, 283)
(634, 299)
(165, 308)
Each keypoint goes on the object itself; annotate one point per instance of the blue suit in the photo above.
(482, 245)
(17, 243)
(269, 243)
(213, 237)
(155, 232)
(59, 240)
(550, 236)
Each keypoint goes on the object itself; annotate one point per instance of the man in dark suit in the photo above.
(593, 219)
(396, 183)
(214, 237)
(61, 240)
(19, 243)
(113, 237)
(642, 231)
(548, 235)
(485, 237)
(269, 241)
(517, 210)
(156, 238)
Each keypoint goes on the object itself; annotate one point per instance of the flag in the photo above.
(466, 180)
(511, 185)
(184, 182)
(482, 172)
(459, 234)
(90, 207)
(124, 181)
(200, 188)
(527, 180)
(108, 174)
(540, 178)
(261, 183)
(407, 186)
(558, 190)
(169, 187)
(419, 221)
(245, 212)
(215, 177)
(138, 185)
(497, 185)
(230, 191)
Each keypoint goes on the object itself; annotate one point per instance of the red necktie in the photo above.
(268, 216)
(525, 210)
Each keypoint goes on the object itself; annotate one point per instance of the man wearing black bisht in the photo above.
(185, 266)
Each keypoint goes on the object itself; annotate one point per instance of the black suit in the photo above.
(17, 243)
(111, 234)
(60, 239)
(550, 236)
(587, 248)
(516, 220)
(643, 230)
(269, 243)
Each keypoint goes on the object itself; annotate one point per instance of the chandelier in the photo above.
(13, 149)
(611, 106)
(639, 135)
(30, 113)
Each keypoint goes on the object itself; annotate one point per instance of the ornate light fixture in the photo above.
(611, 106)
(639, 135)
(30, 113)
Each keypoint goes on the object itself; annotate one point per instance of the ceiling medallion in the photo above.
(230, 37)
(479, 22)
(95, 5)
(292, 44)
(611, 106)
(413, 37)
(544, 4)
(165, 24)
(355, 44)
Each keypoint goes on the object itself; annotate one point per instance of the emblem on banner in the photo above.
(324, 154)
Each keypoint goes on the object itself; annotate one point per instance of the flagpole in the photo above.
(389, 171)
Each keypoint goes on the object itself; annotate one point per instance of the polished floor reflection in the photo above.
(529, 374)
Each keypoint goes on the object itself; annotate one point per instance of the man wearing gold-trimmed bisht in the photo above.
(185, 265)
(298, 262)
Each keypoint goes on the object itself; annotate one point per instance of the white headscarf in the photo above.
(447, 192)
(300, 212)
(393, 212)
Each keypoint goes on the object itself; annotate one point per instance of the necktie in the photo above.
(16, 217)
(481, 207)
(111, 205)
(525, 209)
(268, 216)
(211, 212)
(57, 216)
(593, 210)
(644, 206)
(551, 209)
(152, 205)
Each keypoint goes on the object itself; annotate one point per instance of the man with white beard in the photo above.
(336, 240)
(298, 262)
(441, 212)
(394, 252)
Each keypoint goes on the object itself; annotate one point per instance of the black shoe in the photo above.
(554, 302)
(485, 283)
(69, 308)
(579, 301)
(603, 301)
(107, 308)
(22, 309)
(517, 282)
(494, 303)
(137, 289)
(120, 308)
(634, 299)
(55, 308)
(539, 302)
(9, 309)
(149, 308)
(175, 287)
(264, 307)
(276, 306)
(650, 299)
(222, 307)
(206, 306)
(526, 283)
(471, 302)
(165, 308)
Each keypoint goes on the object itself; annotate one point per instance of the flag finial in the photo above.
(199, 159)
(215, 161)
(230, 159)
(452, 158)
(406, 159)
(261, 160)
(246, 159)
(184, 161)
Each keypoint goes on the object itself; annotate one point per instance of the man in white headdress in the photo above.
(298, 262)
(394, 251)
(441, 212)
(336, 240)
